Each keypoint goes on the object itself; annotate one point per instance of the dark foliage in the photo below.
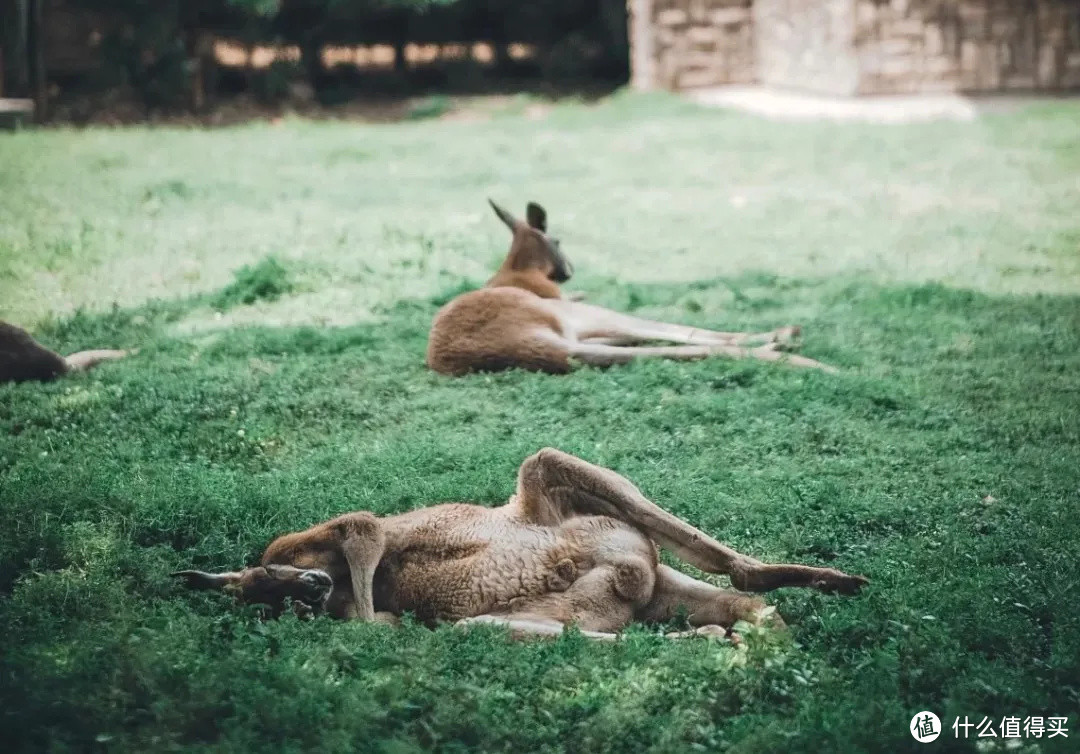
(154, 49)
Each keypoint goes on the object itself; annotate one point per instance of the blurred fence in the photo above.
(179, 54)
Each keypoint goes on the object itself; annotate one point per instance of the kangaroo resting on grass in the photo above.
(519, 319)
(576, 545)
(23, 358)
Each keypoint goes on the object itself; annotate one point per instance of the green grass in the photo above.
(937, 265)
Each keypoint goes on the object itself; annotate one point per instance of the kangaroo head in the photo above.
(308, 588)
(533, 253)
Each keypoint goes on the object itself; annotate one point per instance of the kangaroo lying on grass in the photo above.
(519, 319)
(23, 358)
(577, 544)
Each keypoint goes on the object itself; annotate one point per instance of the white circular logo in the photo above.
(925, 727)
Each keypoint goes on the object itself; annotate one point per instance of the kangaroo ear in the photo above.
(204, 580)
(511, 221)
(537, 216)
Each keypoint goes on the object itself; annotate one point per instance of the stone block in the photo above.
(1047, 71)
(935, 86)
(892, 46)
(1004, 28)
(697, 77)
(933, 39)
(730, 16)
(969, 55)
(971, 10)
(671, 17)
(912, 27)
(699, 60)
(899, 65)
(989, 70)
(939, 64)
(870, 60)
(866, 15)
(703, 34)
(1019, 82)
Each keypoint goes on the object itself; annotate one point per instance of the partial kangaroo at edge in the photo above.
(520, 319)
(22, 358)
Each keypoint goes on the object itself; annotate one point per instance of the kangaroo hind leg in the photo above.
(553, 486)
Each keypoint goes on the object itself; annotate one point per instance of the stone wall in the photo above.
(690, 43)
(847, 47)
(977, 45)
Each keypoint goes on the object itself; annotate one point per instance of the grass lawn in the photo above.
(937, 265)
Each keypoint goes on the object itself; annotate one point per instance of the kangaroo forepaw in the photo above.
(832, 581)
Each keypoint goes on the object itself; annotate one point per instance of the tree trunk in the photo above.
(311, 58)
(399, 23)
(14, 26)
(500, 48)
(39, 84)
(199, 47)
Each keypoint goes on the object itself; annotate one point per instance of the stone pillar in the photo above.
(642, 44)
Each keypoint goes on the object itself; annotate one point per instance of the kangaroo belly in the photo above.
(616, 576)
(590, 570)
(437, 582)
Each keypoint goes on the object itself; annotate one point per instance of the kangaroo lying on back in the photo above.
(23, 358)
(519, 319)
(577, 544)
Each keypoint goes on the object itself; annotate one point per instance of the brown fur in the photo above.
(494, 329)
(520, 319)
(22, 358)
(577, 544)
